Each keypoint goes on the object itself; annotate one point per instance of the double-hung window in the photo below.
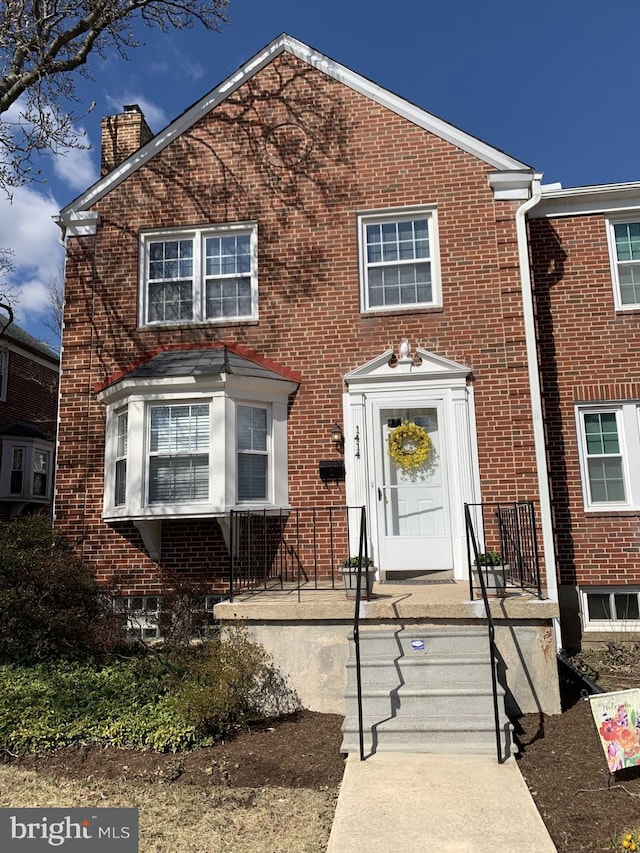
(199, 276)
(253, 459)
(18, 455)
(399, 264)
(122, 438)
(624, 246)
(179, 453)
(609, 451)
(40, 473)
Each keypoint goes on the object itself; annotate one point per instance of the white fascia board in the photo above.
(149, 386)
(512, 185)
(418, 116)
(576, 201)
(78, 223)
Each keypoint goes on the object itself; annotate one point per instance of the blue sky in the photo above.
(551, 83)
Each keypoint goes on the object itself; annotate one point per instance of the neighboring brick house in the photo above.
(301, 249)
(29, 373)
(585, 246)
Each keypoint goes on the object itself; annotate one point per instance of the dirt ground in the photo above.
(300, 751)
(564, 767)
(560, 758)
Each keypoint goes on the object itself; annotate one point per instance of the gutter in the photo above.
(536, 398)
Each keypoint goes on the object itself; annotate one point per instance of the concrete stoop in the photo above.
(424, 689)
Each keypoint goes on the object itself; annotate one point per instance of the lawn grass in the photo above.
(188, 819)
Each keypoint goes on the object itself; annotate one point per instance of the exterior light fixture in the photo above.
(337, 436)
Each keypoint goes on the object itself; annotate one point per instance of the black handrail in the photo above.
(491, 626)
(363, 557)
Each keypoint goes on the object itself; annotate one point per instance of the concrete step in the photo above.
(422, 642)
(423, 671)
(425, 689)
(476, 736)
(412, 702)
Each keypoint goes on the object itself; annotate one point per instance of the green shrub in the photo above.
(50, 603)
(126, 704)
(160, 702)
(230, 680)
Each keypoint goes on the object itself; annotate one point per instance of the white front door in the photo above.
(414, 531)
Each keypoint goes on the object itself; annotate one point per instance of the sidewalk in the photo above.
(428, 803)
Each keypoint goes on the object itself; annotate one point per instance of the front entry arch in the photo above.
(416, 517)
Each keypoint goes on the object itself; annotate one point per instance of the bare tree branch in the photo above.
(43, 41)
(7, 295)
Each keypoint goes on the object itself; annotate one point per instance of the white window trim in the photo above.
(628, 420)
(29, 446)
(198, 235)
(395, 215)
(608, 625)
(611, 221)
(222, 466)
(4, 374)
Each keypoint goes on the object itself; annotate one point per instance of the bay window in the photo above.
(26, 469)
(195, 433)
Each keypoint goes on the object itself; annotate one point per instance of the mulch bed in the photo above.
(299, 751)
(563, 764)
(560, 759)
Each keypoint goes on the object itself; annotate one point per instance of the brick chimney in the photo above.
(122, 135)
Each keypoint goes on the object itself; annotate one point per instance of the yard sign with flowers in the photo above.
(617, 718)
(409, 446)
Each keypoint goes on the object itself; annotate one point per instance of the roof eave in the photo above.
(417, 115)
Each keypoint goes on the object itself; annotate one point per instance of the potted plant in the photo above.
(494, 572)
(349, 569)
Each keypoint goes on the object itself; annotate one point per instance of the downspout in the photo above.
(546, 518)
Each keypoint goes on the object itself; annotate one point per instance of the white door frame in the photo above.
(427, 380)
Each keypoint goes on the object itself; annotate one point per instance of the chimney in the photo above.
(122, 135)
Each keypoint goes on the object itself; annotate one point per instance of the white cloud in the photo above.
(155, 116)
(76, 168)
(194, 70)
(38, 257)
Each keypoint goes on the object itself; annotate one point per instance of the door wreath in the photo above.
(409, 446)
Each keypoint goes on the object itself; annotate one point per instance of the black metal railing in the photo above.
(474, 552)
(508, 546)
(284, 548)
(362, 561)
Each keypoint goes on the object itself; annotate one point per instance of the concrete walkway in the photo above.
(428, 803)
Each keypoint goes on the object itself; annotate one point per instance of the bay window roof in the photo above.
(177, 365)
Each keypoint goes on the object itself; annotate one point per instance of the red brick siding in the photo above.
(588, 352)
(360, 157)
(32, 394)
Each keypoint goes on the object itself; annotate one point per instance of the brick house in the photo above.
(299, 264)
(589, 348)
(29, 373)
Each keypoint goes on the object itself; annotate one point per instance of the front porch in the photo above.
(306, 630)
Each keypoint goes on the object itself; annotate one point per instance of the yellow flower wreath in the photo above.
(409, 446)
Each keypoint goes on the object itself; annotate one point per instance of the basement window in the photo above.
(611, 608)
